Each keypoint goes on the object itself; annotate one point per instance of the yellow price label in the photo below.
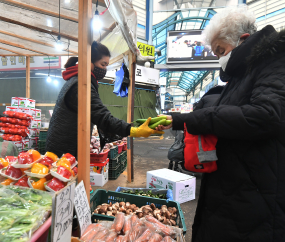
(146, 50)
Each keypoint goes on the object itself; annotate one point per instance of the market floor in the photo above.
(151, 154)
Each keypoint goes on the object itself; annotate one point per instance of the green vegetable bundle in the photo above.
(144, 193)
(154, 122)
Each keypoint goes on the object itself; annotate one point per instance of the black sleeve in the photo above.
(100, 115)
(262, 118)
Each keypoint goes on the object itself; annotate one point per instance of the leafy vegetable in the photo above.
(145, 194)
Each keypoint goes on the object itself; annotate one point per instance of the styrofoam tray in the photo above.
(29, 173)
(54, 173)
(2, 173)
(16, 165)
(75, 164)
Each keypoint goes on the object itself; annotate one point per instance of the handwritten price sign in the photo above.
(82, 207)
(63, 214)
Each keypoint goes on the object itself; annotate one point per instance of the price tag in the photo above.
(62, 214)
(82, 207)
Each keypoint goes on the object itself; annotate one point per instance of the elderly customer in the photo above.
(244, 200)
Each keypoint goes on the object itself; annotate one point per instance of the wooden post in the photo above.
(28, 77)
(84, 92)
(130, 116)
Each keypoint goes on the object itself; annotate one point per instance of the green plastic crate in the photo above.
(123, 166)
(113, 153)
(42, 146)
(123, 156)
(43, 135)
(101, 196)
(113, 163)
(114, 173)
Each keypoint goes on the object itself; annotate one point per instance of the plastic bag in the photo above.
(19, 115)
(176, 151)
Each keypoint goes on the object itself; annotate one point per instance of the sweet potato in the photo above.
(155, 238)
(164, 229)
(118, 222)
(111, 237)
(145, 236)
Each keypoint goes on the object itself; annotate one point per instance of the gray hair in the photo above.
(230, 24)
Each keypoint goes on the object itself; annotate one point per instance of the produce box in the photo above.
(34, 133)
(183, 186)
(99, 173)
(123, 157)
(140, 191)
(33, 143)
(18, 144)
(35, 124)
(36, 113)
(26, 144)
(10, 108)
(25, 110)
(23, 102)
(114, 163)
(123, 166)
(101, 196)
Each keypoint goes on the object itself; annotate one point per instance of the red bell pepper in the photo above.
(63, 172)
(56, 184)
(13, 172)
(75, 170)
(23, 182)
(47, 159)
(70, 157)
(25, 158)
(46, 163)
(10, 159)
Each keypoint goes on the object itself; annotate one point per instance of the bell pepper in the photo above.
(25, 158)
(70, 157)
(7, 182)
(51, 155)
(39, 183)
(75, 170)
(56, 184)
(23, 182)
(63, 162)
(3, 163)
(64, 172)
(10, 159)
(47, 159)
(13, 172)
(39, 169)
(46, 163)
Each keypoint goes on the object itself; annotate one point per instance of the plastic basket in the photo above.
(125, 147)
(102, 157)
(113, 153)
(42, 147)
(101, 196)
(43, 135)
(120, 149)
(115, 173)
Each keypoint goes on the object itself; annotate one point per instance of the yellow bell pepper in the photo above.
(4, 162)
(64, 162)
(39, 169)
(51, 155)
(39, 184)
(7, 182)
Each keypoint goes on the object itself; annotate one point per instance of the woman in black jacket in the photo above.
(244, 200)
(62, 133)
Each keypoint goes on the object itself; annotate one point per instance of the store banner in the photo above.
(18, 63)
(147, 75)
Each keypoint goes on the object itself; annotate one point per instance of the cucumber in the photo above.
(152, 121)
(161, 122)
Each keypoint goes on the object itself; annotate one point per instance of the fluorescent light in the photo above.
(49, 23)
(97, 24)
(59, 45)
(67, 1)
(55, 82)
(48, 79)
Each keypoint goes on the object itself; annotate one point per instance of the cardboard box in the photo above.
(35, 124)
(36, 113)
(10, 108)
(33, 143)
(23, 102)
(34, 133)
(97, 179)
(26, 144)
(25, 110)
(183, 186)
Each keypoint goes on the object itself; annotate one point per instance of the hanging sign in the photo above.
(146, 50)
(18, 63)
(62, 214)
(82, 207)
(147, 75)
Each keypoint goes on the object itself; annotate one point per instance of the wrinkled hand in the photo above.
(144, 130)
(161, 127)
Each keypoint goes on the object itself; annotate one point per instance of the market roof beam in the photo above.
(66, 36)
(43, 11)
(31, 40)
(21, 47)
(15, 52)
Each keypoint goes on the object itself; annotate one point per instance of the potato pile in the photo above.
(165, 215)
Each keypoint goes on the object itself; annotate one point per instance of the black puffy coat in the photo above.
(62, 133)
(244, 200)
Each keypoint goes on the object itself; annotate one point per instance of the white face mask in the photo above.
(223, 61)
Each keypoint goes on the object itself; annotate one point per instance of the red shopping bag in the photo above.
(200, 152)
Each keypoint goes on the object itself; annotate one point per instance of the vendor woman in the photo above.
(62, 133)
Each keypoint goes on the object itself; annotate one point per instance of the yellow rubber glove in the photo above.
(144, 130)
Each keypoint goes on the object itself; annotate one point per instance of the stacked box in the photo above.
(97, 177)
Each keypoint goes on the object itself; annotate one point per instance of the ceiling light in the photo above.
(58, 44)
(48, 79)
(49, 23)
(97, 24)
(67, 1)
(55, 82)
